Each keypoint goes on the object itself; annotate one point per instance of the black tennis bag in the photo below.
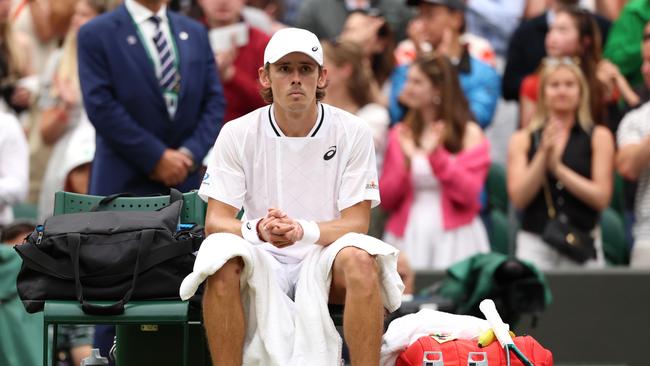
(115, 256)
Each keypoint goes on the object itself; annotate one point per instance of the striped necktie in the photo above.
(169, 78)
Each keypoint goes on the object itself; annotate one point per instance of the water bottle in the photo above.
(95, 359)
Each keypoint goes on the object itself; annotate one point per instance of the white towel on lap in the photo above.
(281, 331)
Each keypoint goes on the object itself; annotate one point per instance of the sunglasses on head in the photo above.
(554, 61)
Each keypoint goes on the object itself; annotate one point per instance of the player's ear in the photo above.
(322, 78)
(263, 74)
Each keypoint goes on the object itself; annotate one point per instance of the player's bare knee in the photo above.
(360, 268)
(226, 280)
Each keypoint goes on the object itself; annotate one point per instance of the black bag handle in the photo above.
(110, 198)
(174, 195)
(116, 308)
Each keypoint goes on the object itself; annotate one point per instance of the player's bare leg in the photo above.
(356, 279)
(223, 315)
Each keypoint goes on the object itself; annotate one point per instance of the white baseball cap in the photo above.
(288, 40)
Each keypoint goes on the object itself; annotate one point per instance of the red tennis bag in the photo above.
(458, 352)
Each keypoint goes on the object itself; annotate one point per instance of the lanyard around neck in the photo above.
(146, 46)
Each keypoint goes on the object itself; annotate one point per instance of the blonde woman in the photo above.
(64, 124)
(15, 64)
(564, 150)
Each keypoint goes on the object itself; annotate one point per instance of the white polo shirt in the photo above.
(256, 167)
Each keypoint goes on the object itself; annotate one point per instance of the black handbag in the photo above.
(564, 237)
(107, 255)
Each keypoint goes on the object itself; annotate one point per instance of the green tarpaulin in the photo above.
(21, 334)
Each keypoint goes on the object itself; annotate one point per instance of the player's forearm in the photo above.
(223, 225)
(330, 231)
(632, 159)
(354, 219)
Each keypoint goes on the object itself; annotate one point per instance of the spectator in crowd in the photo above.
(15, 64)
(574, 33)
(44, 23)
(349, 88)
(407, 50)
(443, 23)
(494, 20)
(326, 17)
(633, 137)
(371, 31)
(435, 167)
(623, 47)
(563, 150)
(643, 89)
(64, 123)
(156, 116)
(238, 47)
(526, 48)
(14, 165)
(151, 89)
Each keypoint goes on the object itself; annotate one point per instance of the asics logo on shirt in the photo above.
(248, 226)
(330, 153)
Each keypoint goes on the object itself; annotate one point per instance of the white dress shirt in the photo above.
(140, 15)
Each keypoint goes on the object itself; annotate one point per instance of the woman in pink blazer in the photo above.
(436, 163)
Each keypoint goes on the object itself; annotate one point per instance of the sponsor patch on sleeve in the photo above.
(372, 185)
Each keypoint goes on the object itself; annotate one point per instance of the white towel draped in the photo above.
(281, 331)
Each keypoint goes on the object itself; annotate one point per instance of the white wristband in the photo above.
(249, 231)
(310, 231)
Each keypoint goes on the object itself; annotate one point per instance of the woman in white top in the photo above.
(14, 165)
(64, 123)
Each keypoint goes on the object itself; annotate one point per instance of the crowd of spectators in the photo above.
(426, 75)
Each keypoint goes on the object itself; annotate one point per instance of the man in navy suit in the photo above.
(151, 89)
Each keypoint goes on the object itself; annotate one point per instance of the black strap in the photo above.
(153, 257)
(39, 261)
(118, 307)
(550, 208)
(174, 195)
(108, 199)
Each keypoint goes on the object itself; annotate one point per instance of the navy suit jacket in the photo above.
(125, 103)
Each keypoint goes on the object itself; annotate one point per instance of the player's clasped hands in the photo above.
(279, 229)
